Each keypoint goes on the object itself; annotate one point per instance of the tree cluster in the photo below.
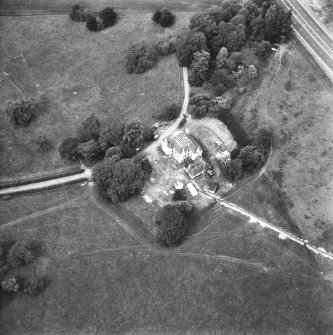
(164, 17)
(94, 21)
(222, 34)
(170, 112)
(19, 254)
(22, 112)
(246, 161)
(95, 138)
(172, 223)
(140, 57)
(117, 179)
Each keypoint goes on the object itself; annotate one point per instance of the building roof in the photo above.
(181, 141)
(196, 168)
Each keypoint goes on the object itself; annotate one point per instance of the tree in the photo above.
(232, 170)
(68, 148)
(74, 14)
(133, 134)
(221, 57)
(252, 157)
(89, 129)
(110, 135)
(114, 151)
(172, 223)
(92, 23)
(219, 89)
(203, 22)
(195, 79)
(43, 143)
(89, 150)
(140, 57)
(262, 49)
(165, 44)
(22, 112)
(10, 285)
(187, 44)
(144, 163)
(117, 181)
(35, 286)
(164, 17)
(200, 63)
(19, 254)
(199, 112)
(108, 16)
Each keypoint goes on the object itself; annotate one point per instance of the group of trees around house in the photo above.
(95, 138)
(172, 223)
(225, 43)
(95, 21)
(18, 255)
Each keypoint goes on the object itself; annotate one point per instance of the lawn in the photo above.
(80, 73)
(231, 276)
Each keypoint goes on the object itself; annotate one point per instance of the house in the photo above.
(181, 146)
(195, 168)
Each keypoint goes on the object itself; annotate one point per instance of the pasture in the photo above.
(105, 276)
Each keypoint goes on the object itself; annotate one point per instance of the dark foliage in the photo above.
(264, 138)
(119, 180)
(133, 134)
(219, 89)
(187, 44)
(148, 134)
(166, 45)
(89, 150)
(108, 16)
(179, 195)
(74, 14)
(195, 79)
(10, 285)
(232, 170)
(19, 254)
(22, 112)
(114, 151)
(234, 153)
(92, 23)
(172, 223)
(140, 57)
(262, 49)
(68, 148)
(35, 286)
(43, 143)
(89, 130)
(144, 162)
(164, 17)
(252, 157)
(127, 150)
(110, 135)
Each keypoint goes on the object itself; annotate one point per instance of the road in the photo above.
(48, 183)
(151, 149)
(311, 33)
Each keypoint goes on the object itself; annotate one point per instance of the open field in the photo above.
(102, 280)
(80, 73)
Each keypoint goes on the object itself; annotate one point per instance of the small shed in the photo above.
(192, 190)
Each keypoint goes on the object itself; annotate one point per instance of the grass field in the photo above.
(231, 276)
(80, 73)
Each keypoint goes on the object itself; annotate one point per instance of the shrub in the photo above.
(10, 285)
(92, 23)
(133, 134)
(43, 143)
(114, 151)
(21, 113)
(219, 89)
(89, 150)
(89, 129)
(140, 57)
(74, 14)
(166, 44)
(19, 254)
(179, 195)
(68, 148)
(172, 223)
(232, 170)
(108, 16)
(164, 17)
(35, 286)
